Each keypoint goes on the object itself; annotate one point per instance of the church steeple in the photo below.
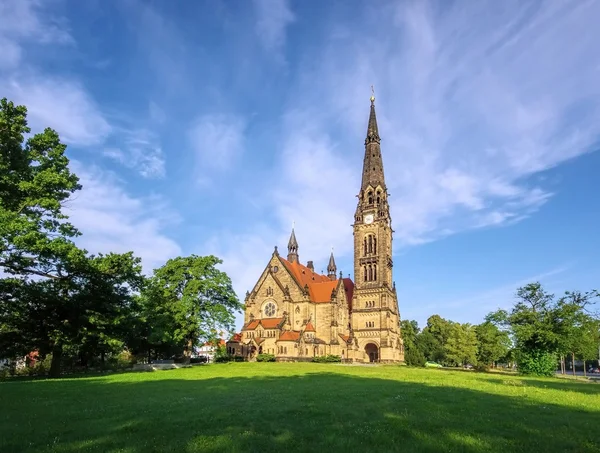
(372, 163)
(292, 248)
(331, 267)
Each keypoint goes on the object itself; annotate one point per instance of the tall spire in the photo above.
(292, 248)
(372, 164)
(331, 267)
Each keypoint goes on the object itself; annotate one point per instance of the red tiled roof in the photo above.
(270, 323)
(221, 342)
(237, 337)
(251, 325)
(309, 327)
(320, 286)
(321, 292)
(346, 338)
(303, 274)
(289, 335)
(266, 323)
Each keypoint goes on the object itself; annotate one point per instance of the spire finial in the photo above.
(331, 267)
(293, 247)
(372, 95)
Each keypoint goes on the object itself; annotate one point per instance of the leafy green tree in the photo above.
(413, 356)
(80, 311)
(543, 327)
(189, 299)
(493, 344)
(461, 346)
(55, 296)
(433, 338)
(430, 347)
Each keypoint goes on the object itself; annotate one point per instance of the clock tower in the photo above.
(375, 314)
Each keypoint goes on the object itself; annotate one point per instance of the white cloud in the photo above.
(471, 102)
(20, 21)
(272, 19)
(62, 104)
(111, 220)
(141, 151)
(218, 141)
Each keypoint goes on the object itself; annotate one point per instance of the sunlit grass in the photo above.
(299, 407)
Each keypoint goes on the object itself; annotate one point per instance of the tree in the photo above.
(413, 356)
(35, 182)
(81, 310)
(493, 344)
(55, 295)
(430, 347)
(461, 347)
(543, 327)
(433, 338)
(189, 299)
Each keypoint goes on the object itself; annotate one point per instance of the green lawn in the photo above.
(280, 407)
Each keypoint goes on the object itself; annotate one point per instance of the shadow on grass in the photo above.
(313, 412)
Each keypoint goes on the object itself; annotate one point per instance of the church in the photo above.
(297, 314)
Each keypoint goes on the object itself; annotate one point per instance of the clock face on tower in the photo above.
(368, 219)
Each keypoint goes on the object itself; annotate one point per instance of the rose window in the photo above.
(270, 309)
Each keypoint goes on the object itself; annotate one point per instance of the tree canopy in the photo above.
(56, 298)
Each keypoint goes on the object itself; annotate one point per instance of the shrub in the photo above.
(222, 356)
(414, 357)
(537, 363)
(265, 358)
(329, 358)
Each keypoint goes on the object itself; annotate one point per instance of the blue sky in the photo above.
(210, 126)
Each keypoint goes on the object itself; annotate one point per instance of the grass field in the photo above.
(279, 407)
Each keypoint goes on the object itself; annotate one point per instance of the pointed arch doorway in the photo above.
(372, 352)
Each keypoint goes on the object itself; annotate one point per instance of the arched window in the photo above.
(374, 245)
(365, 247)
(370, 244)
(365, 273)
(370, 197)
(375, 272)
(370, 273)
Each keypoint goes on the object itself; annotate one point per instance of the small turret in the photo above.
(293, 248)
(331, 267)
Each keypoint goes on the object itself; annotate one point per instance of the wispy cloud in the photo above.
(218, 141)
(472, 101)
(112, 220)
(20, 22)
(141, 151)
(62, 104)
(272, 19)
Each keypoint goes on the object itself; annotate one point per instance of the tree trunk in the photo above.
(57, 352)
(563, 365)
(584, 369)
(187, 352)
(573, 362)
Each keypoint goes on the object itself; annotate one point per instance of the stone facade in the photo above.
(296, 314)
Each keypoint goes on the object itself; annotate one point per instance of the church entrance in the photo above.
(372, 352)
